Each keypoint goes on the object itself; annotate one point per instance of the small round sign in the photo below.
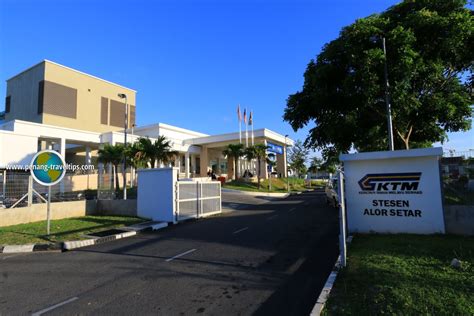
(48, 167)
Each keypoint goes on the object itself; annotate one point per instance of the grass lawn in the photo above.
(62, 229)
(405, 275)
(278, 185)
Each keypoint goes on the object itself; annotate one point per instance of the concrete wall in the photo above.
(117, 207)
(157, 194)
(459, 219)
(23, 89)
(37, 212)
(17, 148)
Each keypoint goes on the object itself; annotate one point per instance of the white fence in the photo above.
(20, 190)
(197, 199)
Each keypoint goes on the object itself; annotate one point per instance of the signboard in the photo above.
(394, 192)
(48, 168)
(273, 148)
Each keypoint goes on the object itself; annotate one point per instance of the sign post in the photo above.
(48, 168)
(48, 215)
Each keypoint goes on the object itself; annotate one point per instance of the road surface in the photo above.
(262, 256)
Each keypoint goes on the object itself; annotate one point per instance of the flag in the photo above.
(238, 113)
(251, 118)
(245, 116)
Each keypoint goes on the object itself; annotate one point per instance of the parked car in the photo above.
(332, 197)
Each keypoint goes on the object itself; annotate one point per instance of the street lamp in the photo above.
(124, 171)
(286, 162)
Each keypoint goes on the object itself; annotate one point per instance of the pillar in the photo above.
(204, 161)
(193, 165)
(281, 163)
(186, 165)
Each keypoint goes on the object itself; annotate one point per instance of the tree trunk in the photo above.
(406, 137)
(117, 185)
(258, 174)
(235, 171)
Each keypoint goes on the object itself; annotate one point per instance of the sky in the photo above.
(191, 62)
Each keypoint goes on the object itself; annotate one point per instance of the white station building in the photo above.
(51, 106)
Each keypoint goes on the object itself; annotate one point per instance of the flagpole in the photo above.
(252, 129)
(246, 135)
(240, 124)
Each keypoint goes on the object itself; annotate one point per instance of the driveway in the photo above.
(260, 257)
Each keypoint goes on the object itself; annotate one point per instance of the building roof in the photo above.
(263, 132)
(71, 69)
(169, 127)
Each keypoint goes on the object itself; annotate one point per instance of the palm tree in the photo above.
(260, 152)
(163, 152)
(134, 157)
(147, 151)
(249, 154)
(235, 151)
(112, 154)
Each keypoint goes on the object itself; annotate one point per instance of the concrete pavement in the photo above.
(265, 257)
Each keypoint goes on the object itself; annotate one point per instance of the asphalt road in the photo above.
(265, 257)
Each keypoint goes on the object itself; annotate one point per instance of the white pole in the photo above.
(246, 135)
(342, 218)
(240, 131)
(252, 133)
(48, 212)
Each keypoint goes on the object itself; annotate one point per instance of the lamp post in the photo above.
(286, 166)
(387, 100)
(124, 171)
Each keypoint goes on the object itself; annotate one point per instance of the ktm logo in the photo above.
(390, 181)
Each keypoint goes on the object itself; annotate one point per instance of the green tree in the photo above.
(297, 156)
(259, 152)
(235, 151)
(155, 152)
(112, 154)
(315, 165)
(429, 61)
(133, 156)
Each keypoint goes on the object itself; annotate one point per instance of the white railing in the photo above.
(197, 199)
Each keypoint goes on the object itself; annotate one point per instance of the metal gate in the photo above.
(197, 199)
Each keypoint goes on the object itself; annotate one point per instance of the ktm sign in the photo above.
(382, 182)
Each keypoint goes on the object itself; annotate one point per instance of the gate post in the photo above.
(342, 218)
(30, 190)
(176, 215)
(200, 199)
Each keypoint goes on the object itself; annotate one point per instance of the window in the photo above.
(8, 104)
(40, 96)
(104, 111)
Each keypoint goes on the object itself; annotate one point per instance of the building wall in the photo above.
(53, 94)
(91, 92)
(23, 91)
(16, 148)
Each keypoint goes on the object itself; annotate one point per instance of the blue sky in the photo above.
(191, 62)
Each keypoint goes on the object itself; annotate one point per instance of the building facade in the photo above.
(50, 106)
